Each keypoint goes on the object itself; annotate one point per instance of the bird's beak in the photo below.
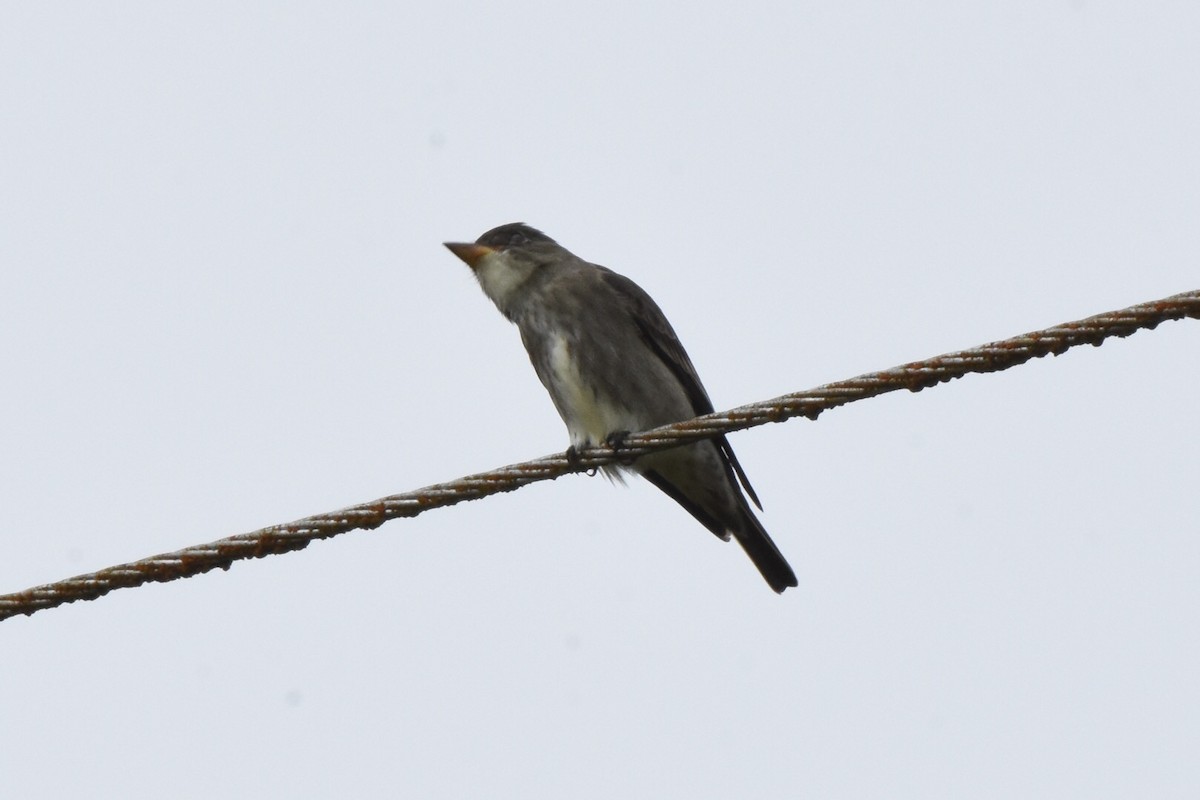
(470, 253)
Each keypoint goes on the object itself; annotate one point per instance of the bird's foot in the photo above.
(616, 441)
(573, 459)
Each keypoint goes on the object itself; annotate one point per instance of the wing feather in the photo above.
(660, 337)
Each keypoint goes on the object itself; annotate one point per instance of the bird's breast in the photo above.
(590, 414)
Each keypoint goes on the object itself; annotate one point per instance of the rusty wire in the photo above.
(296, 535)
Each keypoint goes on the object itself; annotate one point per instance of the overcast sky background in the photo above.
(224, 303)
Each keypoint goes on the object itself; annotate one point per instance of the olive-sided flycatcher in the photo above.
(613, 365)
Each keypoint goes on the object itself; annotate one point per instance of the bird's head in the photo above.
(505, 258)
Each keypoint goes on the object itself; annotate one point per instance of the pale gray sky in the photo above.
(224, 303)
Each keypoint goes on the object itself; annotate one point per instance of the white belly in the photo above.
(589, 418)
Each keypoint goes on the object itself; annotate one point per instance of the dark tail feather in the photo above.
(762, 551)
(748, 531)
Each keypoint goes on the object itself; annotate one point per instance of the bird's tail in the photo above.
(755, 540)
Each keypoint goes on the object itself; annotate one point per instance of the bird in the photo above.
(613, 365)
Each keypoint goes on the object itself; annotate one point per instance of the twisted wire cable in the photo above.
(296, 535)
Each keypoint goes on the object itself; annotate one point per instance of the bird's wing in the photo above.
(660, 337)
